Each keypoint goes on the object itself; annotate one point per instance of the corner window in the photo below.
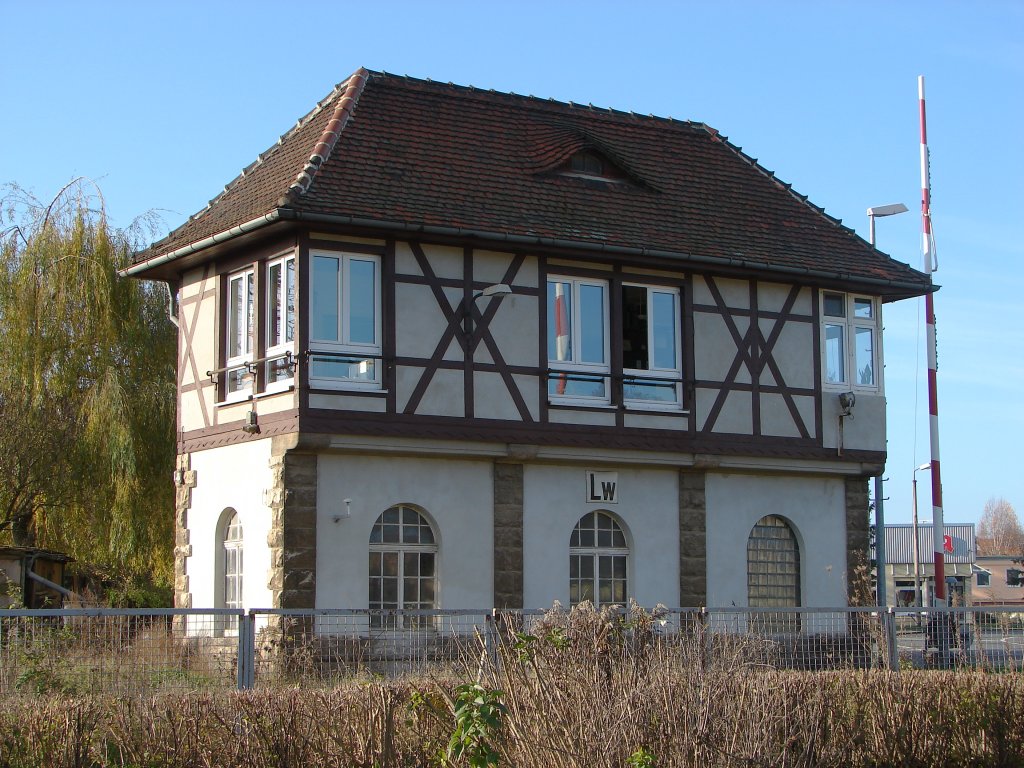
(598, 556)
(278, 369)
(651, 366)
(578, 340)
(238, 374)
(850, 338)
(403, 568)
(345, 321)
(984, 578)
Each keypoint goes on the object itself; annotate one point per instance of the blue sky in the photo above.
(164, 103)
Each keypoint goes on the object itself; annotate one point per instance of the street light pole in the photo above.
(881, 210)
(918, 598)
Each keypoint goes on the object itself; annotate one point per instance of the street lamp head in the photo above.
(499, 289)
(887, 210)
(923, 467)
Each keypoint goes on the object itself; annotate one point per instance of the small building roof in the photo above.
(899, 543)
(45, 554)
(417, 156)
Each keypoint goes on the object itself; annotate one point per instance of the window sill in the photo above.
(322, 389)
(858, 388)
(668, 409)
(276, 389)
(595, 405)
(235, 399)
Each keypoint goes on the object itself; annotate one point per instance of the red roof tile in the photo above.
(425, 155)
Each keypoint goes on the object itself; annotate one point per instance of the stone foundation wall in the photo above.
(292, 538)
(857, 540)
(184, 482)
(693, 550)
(508, 535)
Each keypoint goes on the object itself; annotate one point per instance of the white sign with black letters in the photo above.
(602, 487)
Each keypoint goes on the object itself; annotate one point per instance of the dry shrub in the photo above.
(581, 688)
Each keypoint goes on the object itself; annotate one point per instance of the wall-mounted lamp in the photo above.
(846, 401)
(252, 425)
(497, 291)
(348, 512)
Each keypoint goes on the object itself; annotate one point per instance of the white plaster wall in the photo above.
(231, 476)
(458, 497)
(554, 499)
(816, 509)
(201, 320)
(865, 431)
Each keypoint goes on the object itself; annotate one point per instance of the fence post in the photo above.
(492, 637)
(246, 651)
(704, 649)
(892, 651)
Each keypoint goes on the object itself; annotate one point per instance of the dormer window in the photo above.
(588, 164)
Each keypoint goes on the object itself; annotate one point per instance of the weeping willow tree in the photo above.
(87, 391)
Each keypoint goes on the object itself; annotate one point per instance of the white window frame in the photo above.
(232, 537)
(850, 323)
(279, 303)
(244, 359)
(675, 372)
(575, 367)
(595, 553)
(344, 345)
(402, 548)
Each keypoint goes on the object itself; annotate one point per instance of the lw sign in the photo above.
(603, 487)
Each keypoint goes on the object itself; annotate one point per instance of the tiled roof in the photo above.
(423, 155)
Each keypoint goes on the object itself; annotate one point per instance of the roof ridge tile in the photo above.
(332, 131)
(263, 156)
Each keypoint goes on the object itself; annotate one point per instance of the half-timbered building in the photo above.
(447, 347)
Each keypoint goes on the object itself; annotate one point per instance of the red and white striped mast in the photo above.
(928, 247)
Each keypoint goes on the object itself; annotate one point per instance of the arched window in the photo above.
(403, 565)
(231, 558)
(597, 561)
(773, 565)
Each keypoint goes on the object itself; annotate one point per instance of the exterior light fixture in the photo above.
(879, 211)
(918, 598)
(497, 291)
(846, 401)
(252, 425)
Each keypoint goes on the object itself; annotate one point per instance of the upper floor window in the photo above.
(650, 345)
(598, 555)
(850, 340)
(240, 334)
(280, 321)
(345, 320)
(578, 344)
(578, 339)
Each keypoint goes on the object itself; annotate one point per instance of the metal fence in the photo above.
(141, 652)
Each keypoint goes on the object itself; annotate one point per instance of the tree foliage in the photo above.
(999, 531)
(87, 391)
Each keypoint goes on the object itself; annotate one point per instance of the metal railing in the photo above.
(141, 651)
